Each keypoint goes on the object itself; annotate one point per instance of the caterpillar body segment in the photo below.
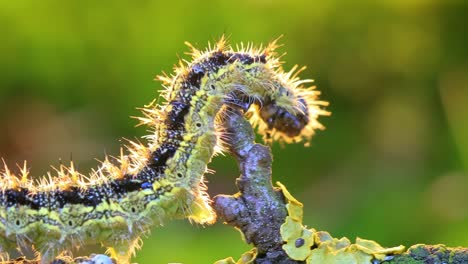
(118, 203)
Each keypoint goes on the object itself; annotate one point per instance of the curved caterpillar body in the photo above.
(117, 203)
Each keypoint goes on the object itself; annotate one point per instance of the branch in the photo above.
(258, 209)
(271, 219)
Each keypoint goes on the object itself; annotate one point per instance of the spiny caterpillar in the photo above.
(117, 203)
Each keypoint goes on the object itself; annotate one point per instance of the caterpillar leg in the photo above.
(123, 250)
(3, 251)
(4, 257)
(200, 210)
(51, 252)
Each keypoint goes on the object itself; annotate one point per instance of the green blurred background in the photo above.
(391, 166)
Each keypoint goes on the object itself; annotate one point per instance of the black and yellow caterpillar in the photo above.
(117, 203)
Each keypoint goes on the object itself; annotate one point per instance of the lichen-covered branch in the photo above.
(258, 209)
(271, 218)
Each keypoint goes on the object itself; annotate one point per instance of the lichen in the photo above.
(319, 246)
(246, 258)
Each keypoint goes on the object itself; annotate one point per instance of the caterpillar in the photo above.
(163, 179)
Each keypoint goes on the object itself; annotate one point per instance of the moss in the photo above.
(432, 254)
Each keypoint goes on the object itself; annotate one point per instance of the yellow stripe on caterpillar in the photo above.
(163, 180)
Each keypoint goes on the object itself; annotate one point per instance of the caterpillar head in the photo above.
(293, 119)
(283, 121)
